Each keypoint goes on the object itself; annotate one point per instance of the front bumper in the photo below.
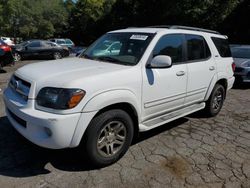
(47, 130)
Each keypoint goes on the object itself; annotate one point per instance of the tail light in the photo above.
(5, 48)
(233, 66)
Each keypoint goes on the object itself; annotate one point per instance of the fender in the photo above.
(110, 97)
(99, 102)
(215, 79)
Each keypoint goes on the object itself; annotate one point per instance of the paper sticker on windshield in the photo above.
(139, 37)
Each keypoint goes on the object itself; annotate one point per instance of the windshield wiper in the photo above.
(108, 58)
(112, 60)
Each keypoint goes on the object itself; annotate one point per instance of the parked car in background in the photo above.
(108, 48)
(6, 57)
(39, 49)
(64, 42)
(241, 55)
(8, 41)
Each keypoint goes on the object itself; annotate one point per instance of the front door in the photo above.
(164, 90)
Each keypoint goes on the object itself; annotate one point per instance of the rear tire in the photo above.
(215, 101)
(108, 137)
(57, 55)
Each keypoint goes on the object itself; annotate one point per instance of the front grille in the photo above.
(20, 86)
(18, 119)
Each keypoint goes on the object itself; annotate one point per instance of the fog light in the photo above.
(48, 131)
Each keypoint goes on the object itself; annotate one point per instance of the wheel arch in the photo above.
(116, 99)
(222, 81)
(127, 107)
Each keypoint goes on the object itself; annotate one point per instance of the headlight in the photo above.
(246, 64)
(59, 98)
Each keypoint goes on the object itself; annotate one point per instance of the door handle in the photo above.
(212, 68)
(180, 73)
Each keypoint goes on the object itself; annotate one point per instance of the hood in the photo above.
(240, 61)
(66, 70)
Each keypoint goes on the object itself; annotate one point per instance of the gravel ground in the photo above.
(191, 152)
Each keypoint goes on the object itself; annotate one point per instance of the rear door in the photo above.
(201, 68)
(46, 49)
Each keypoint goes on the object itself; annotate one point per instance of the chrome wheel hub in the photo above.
(217, 100)
(111, 138)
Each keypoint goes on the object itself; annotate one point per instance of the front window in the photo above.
(121, 48)
(60, 41)
(170, 45)
(68, 41)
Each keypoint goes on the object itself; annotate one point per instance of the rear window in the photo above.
(241, 53)
(197, 48)
(222, 46)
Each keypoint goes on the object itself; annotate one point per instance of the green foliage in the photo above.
(33, 18)
(85, 20)
(85, 16)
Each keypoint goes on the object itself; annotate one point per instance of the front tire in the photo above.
(108, 137)
(215, 101)
(17, 57)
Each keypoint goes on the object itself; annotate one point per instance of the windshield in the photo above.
(122, 48)
(241, 53)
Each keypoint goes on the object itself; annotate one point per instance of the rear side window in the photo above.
(170, 45)
(35, 44)
(197, 48)
(222, 46)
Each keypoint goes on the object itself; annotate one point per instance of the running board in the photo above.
(165, 118)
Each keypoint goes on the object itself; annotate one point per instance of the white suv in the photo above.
(101, 101)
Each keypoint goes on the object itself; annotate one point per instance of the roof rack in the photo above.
(184, 27)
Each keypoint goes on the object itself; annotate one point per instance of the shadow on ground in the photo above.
(241, 85)
(2, 71)
(20, 158)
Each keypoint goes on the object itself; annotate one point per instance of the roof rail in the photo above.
(184, 27)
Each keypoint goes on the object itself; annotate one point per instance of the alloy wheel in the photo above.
(111, 138)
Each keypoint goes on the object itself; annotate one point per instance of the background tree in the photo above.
(85, 20)
(33, 18)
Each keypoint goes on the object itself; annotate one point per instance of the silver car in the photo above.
(241, 55)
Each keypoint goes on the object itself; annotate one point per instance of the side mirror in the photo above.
(160, 61)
